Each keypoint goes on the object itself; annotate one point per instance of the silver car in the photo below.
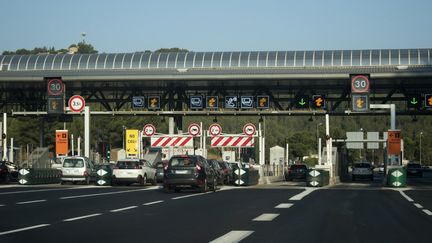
(77, 169)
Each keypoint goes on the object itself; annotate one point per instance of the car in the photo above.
(296, 171)
(362, 170)
(78, 169)
(227, 171)
(414, 169)
(8, 172)
(131, 171)
(159, 166)
(189, 171)
(217, 170)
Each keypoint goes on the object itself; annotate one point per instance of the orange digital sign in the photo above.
(394, 142)
(62, 142)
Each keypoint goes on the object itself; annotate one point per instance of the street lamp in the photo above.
(421, 134)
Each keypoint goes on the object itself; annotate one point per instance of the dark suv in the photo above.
(189, 171)
(297, 171)
(8, 172)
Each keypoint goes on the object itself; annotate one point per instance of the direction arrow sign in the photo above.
(23, 172)
(314, 173)
(314, 183)
(397, 183)
(101, 182)
(397, 174)
(239, 182)
(76, 103)
(239, 172)
(249, 129)
(102, 172)
(22, 181)
(149, 130)
(194, 129)
(215, 129)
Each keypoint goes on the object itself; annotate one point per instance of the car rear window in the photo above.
(362, 165)
(73, 163)
(183, 161)
(128, 164)
(414, 166)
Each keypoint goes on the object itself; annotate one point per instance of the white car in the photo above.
(133, 171)
(362, 170)
(77, 169)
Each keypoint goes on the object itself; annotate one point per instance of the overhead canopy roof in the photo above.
(216, 60)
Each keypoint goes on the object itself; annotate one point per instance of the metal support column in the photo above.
(87, 131)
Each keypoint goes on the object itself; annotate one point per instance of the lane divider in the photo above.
(151, 203)
(82, 217)
(427, 212)
(300, 196)
(122, 209)
(266, 217)
(284, 205)
(191, 195)
(24, 229)
(419, 206)
(233, 236)
(28, 202)
(406, 196)
(109, 193)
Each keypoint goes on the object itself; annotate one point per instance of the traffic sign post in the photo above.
(215, 129)
(249, 129)
(76, 103)
(360, 84)
(360, 102)
(149, 130)
(55, 87)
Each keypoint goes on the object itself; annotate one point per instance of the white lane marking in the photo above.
(266, 217)
(30, 191)
(122, 209)
(192, 195)
(109, 193)
(418, 205)
(2, 205)
(233, 236)
(427, 212)
(28, 202)
(47, 190)
(303, 194)
(406, 196)
(82, 217)
(284, 205)
(151, 203)
(23, 229)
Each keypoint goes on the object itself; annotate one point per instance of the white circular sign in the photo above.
(149, 130)
(76, 103)
(249, 129)
(194, 129)
(215, 129)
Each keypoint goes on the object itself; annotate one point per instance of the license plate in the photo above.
(181, 171)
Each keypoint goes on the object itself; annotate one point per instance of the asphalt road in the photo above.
(281, 212)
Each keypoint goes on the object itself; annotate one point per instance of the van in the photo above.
(77, 169)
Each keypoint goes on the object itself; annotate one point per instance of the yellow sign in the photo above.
(62, 142)
(132, 138)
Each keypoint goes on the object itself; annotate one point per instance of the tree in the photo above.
(86, 48)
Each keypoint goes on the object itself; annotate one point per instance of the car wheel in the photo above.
(215, 184)
(204, 187)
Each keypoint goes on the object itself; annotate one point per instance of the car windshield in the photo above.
(362, 165)
(127, 164)
(73, 163)
(183, 161)
(414, 166)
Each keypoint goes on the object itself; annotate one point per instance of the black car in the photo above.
(189, 171)
(218, 170)
(8, 172)
(159, 166)
(414, 169)
(227, 171)
(296, 171)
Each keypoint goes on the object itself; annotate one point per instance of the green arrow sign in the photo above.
(302, 102)
(414, 101)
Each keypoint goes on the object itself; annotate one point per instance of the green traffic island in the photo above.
(396, 176)
(37, 176)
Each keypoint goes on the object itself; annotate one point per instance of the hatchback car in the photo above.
(8, 171)
(189, 171)
(78, 169)
(296, 171)
(131, 171)
(414, 169)
(362, 170)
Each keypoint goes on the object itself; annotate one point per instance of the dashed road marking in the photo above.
(427, 212)
(192, 195)
(418, 205)
(28, 202)
(122, 209)
(406, 196)
(151, 203)
(303, 194)
(266, 217)
(82, 217)
(233, 236)
(2, 205)
(284, 205)
(23, 229)
(109, 193)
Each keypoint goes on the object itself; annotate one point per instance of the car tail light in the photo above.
(166, 167)
(198, 167)
(136, 167)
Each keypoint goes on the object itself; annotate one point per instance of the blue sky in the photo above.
(219, 25)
